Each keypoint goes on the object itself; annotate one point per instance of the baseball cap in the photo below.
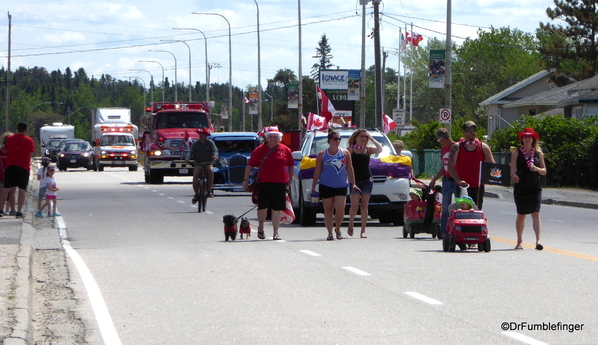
(468, 124)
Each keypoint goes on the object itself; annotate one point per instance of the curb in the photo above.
(22, 331)
(569, 203)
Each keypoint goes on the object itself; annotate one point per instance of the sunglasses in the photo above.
(471, 130)
(336, 139)
(439, 139)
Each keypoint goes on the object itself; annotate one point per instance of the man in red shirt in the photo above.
(19, 147)
(464, 162)
(449, 185)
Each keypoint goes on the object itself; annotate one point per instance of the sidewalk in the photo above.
(18, 235)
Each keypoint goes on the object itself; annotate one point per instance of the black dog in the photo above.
(245, 228)
(230, 227)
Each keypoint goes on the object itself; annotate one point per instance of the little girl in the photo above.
(41, 174)
(51, 190)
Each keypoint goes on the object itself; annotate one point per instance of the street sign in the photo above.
(445, 115)
(398, 116)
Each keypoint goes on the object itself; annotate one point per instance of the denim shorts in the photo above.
(42, 192)
(365, 186)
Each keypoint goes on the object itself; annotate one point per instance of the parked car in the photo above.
(75, 154)
(389, 194)
(234, 150)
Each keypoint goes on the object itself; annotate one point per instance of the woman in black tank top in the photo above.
(360, 156)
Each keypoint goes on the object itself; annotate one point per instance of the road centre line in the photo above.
(523, 338)
(423, 298)
(98, 305)
(549, 249)
(356, 271)
(309, 252)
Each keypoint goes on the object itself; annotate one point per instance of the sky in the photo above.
(113, 37)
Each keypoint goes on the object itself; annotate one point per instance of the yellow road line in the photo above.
(548, 249)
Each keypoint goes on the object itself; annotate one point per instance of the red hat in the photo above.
(273, 130)
(203, 130)
(529, 131)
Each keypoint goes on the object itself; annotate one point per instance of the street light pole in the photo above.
(230, 71)
(176, 98)
(162, 76)
(259, 71)
(207, 66)
(190, 87)
(37, 105)
(271, 106)
(151, 83)
(144, 92)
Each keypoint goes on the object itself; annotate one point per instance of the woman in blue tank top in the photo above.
(360, 156)
(334, 171)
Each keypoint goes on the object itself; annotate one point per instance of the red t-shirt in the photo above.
(275, 166)
(468, 164)
(444, 156)
(19, 147)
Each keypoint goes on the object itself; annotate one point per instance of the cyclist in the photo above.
(203, 152)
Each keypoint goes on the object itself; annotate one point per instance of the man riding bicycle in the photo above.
(204, 153)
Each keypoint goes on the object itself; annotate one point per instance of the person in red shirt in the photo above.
(19, 148)
(449, 185)
(276, 164)
(464, 162)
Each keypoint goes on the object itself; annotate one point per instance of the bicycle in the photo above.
(202, 191)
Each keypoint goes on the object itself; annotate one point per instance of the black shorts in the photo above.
(15, 176)
(272, 195)
(327, 192)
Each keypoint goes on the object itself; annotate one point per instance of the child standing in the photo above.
(41, 174)
(51, 190)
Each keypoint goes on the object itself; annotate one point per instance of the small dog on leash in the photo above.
(230, 227)
(245, 228)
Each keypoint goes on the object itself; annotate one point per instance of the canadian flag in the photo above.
(414, 39)
(389, 124)
(315, 122)
(187, 140)
(246, 100)
(287, 216)
(327, 109)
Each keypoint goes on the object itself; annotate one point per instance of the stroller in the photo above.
(423, 216)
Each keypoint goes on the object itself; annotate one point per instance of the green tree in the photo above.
(572, 49)
(484, 66)
(323, 55)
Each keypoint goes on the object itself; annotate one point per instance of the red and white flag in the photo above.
(262, 132)
(287, 216)
(246, 100)
(187, 140)
(389, 124)
(315, 122)
(326, 108)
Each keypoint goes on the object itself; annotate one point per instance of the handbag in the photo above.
(254, 187)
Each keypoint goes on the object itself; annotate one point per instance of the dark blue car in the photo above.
(234, 150)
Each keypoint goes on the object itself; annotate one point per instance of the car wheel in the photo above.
(385, 217)
(445, 243)
(404, 231)
(155, 177)
(133, 168)
(452, 243)
(308, 214)
(100, 168)
(397, 217)
(487, 246)
(412, 228)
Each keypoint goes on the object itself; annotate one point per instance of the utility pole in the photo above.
(378, 114)
(362, 80)
(448, 101)
(8, 77)
(300, 76)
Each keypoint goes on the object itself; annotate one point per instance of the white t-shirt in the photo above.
(41, 174)
(52, 182)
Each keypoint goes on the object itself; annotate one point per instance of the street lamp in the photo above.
(230, 71)
(37, 105)
(190, 87)
(144, 92)
(271, 107)
(151, 82)
(207, 66)
(176, 98)
(162, 75)
(259, 71)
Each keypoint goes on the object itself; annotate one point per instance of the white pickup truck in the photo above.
(389, 194)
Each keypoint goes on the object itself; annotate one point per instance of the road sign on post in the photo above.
(398, 116)
(445, 116)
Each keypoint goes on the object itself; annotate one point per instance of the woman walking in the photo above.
(360, 157)
(334, 172)
(527, 164)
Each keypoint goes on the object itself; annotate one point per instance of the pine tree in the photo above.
(323, 55)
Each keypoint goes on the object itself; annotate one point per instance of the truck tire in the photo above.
(397, 217)
(308, 214)
(100, 168)
(133, 168)
(385, 217)
(155, 177)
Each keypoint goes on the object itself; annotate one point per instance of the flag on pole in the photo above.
(416, 38)
(494, 173)
(315, 122)
(187, 140)
(246, 100)
(403, 43)
(327, 109)
(389, 124)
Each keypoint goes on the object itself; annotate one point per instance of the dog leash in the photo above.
(251, 209)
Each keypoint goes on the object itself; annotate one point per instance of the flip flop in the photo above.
(276, 238)
(518, 247)
(330, 238)
(261, 235)
(539, 247)
(339, 236)
(350, 231)
(363, 235)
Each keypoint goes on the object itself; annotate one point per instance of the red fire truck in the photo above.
(169, 128)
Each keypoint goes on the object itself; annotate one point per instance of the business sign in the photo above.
(398, 116)
(293, 96)
(253, 103)
(436, 73)
(353, 90)
(334, 79)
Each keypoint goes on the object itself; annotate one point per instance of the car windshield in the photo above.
(321, 142)
(182, 119)
(117, 140)
(246, 145)
(53, 143)
(73, 147)
(469, 215)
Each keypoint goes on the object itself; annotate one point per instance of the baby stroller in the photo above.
(423, 216)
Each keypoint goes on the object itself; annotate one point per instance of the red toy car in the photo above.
(464, 228)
